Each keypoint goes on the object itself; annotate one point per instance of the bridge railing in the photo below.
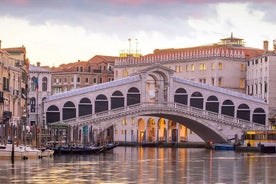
(174, 107)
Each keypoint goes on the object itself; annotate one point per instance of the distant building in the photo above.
(39, 88)
(96, 70)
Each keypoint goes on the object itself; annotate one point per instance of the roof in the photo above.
(93, 88)
(100, 58)
(33, 68)
(218, 89)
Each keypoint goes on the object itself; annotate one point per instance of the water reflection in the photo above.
(145, 165)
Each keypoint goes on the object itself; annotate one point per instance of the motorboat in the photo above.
(32, 152)
(6, 152)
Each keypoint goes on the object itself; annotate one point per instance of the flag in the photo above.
(36, 84)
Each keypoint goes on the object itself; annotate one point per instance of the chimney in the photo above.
(265, 46)
(38, 64)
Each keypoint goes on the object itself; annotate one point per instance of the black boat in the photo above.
(66, 149)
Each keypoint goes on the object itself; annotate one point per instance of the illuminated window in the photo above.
(192, 67)
(220, 66)
(187, 68)
(213, 81)
(242, 83)
(242, 67)
(123, 132)
(125, 73)
(124, 121)
(213, 66)
(180, 69)
(116, 132)
(202, 66)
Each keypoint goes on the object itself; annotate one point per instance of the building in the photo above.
(13, 91)
(261, 78)
(221, 64)
(39, 89)
(98, 69)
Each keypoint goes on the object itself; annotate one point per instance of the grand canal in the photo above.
(145, 165)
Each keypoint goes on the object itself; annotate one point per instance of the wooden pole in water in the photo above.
(12, 153)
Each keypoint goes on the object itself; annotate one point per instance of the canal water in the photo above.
(145, 165)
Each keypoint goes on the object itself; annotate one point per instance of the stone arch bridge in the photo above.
(211, 112)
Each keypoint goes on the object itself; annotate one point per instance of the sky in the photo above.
(55, 32)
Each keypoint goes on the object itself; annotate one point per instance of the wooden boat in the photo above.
(67, 149)
(109, 146)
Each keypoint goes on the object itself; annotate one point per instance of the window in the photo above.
(192, 67)
(86, 80)
(65, 80)
(95, 80)
(220, 66)
(78, 79)
(101, 80)
(242, 67)
(213, 66)
(213, 81)
(44, 83)
(187, 68)
(202, 81)
(72, 79)
(242, 83)
(202, 66)
(125, 73)
(219, 82)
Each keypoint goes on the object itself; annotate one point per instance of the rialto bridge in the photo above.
(154, 106)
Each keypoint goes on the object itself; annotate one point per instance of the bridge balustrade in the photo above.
(179, 109)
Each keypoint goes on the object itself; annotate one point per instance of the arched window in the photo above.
(196, 100)
(101, 103)
(133, 96)
(44, 83)
(228, 108)
(243, 112)
(117, 100)
(68, 111)
(259, 116)
(212, 104)
(52, 114)
(85, 107)
(181, 96)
